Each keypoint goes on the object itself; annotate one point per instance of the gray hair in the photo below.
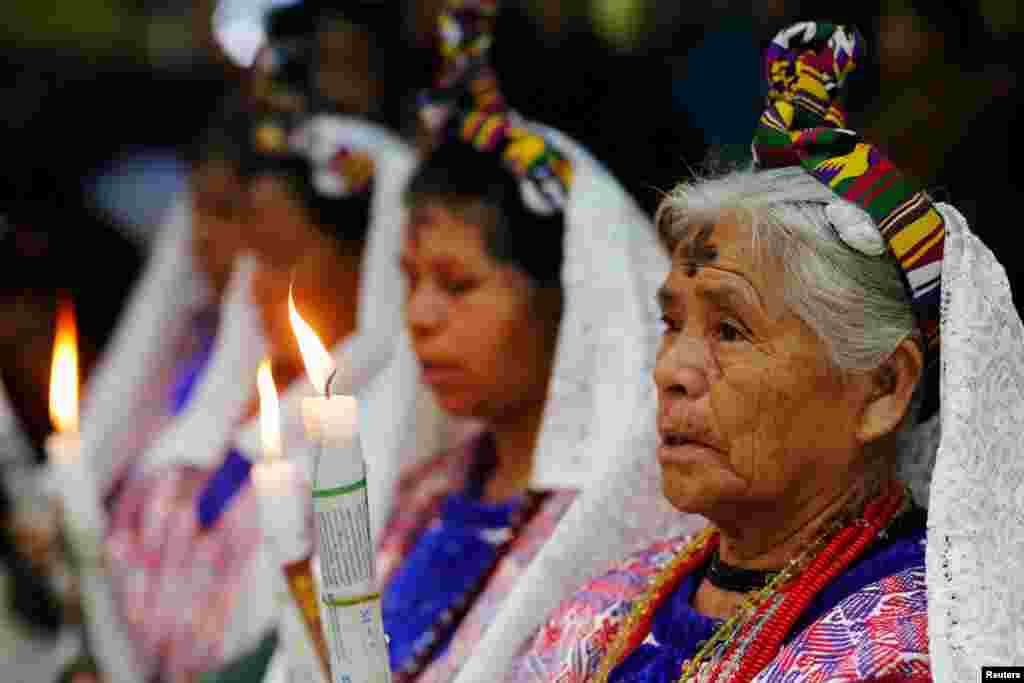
(857, 305)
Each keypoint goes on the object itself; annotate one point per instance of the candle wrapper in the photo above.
(351, 606)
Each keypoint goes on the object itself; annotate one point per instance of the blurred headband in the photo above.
(467, 105)
(807, 65)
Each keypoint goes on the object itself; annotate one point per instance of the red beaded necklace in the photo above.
(755, 635)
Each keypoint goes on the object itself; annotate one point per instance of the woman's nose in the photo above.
(425, 310)
(682, 368)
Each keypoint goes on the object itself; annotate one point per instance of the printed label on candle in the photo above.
(300, 581)
(358, 649)
(343, 528)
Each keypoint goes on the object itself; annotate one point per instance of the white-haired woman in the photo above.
(794, 378)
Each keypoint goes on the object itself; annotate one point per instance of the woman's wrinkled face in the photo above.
(219, 211)
(483, 335)
(752, 414)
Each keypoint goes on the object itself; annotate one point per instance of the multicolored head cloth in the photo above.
(807, 65)
(467, 104)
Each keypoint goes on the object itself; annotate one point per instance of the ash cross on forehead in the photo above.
(696, 252)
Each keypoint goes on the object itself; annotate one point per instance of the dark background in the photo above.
(653, 89)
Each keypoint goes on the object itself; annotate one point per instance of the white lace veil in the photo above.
(125, 398)
(599, 414)
(976, 507)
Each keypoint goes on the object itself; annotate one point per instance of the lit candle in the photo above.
(83, 515)
(275, 477)
(353, 623)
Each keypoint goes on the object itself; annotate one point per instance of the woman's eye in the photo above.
(730, 332)
(670, 325)
(459, 287)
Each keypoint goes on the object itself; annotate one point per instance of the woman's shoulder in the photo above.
(575, 638)
(878, 633)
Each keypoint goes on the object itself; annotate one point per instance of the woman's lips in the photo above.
(433, 374)
(678, 450)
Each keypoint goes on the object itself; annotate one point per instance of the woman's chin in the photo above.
(699, 491)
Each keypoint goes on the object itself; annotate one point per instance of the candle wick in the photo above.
(327, 384)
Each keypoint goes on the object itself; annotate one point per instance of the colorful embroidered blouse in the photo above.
(869, 625)
(177, 555)
(436, 489)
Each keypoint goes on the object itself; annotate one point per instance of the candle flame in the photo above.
(64, 371)
(270, 412)
(319, 365)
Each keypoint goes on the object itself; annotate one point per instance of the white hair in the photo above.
(857, 305)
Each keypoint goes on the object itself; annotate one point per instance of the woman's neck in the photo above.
(767, 542)
(515, 439)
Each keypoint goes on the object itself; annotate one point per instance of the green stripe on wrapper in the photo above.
(349, 602)
(340, 490)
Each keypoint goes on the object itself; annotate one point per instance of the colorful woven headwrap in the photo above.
(807, 65)
(468, 104)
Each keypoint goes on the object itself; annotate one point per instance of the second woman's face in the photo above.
(484, 340)
(219, 209)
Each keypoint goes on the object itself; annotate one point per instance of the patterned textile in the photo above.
(174, 580)
(807, 65)
(877, 632)
(468, 104)
(422, 491)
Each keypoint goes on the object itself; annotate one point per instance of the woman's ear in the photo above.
(892, 389)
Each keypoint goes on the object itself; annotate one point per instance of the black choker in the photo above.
(736, 579)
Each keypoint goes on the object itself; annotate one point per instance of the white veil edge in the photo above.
(976, 512)
(118, 403)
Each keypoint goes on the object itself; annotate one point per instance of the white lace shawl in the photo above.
(976, 513)
(125, 400)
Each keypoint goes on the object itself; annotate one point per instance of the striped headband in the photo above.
(467, 103)
(807, 65)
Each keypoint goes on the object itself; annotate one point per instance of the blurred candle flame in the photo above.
(64, 371)
(319, 365)
(270, 412)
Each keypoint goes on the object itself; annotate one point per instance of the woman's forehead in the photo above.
(724, 243)
(433, 229)
(719, 257)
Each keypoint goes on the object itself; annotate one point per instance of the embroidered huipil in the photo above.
(868, 625)
(440, 541)
(179, 542)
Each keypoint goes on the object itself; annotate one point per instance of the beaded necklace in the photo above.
(743, 645)
(449, 620)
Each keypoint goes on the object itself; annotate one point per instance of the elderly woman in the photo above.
(518, 251)
(800, 316)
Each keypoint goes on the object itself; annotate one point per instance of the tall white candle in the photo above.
(282, 507)
(83, 514)
(351, 607)
(83, 518)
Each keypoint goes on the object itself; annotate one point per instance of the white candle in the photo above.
(83, 514)
(351, 613)
(282, 507)
(83, 518)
